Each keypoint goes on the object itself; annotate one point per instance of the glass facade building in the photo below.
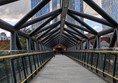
(76, 5)
(111, 7)
(44, 10)
(52, 5)
(55, 4)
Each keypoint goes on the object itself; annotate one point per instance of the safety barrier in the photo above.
(21, 68)
(102, 62)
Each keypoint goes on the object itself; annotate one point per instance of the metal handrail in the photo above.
(19, 55)
(96, 51)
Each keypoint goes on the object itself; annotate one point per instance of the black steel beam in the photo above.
(76, 38)
(65, 40)
(3, 2)
(83, 23)
(54, 43)
(6, 26)
(42, 17)
(45, 28)
(46, 33)
(99, 20)
(113, 40)
(54, 31)
(70, 37)
(73, 34)
(101, 33)
(42, 25)
(52, 40)
(100, 11)
(78, 27)
(31, 13)
(79, 33)
(105, 32)
(50, 37)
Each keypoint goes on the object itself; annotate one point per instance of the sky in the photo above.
(13, 12)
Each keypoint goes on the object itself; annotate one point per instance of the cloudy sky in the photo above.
(13, 12)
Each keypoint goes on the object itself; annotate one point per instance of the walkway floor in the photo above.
(61, 69)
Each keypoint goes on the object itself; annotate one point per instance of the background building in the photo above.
(111, 7)
(55, 4)
(44, 10)
(76, 5)
(3, 36)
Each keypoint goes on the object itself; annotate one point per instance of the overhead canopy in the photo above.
(51, 33)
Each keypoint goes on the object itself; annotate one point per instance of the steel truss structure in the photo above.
(52, 34)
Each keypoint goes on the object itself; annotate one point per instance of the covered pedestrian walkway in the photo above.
(62, 69)
(79, 43)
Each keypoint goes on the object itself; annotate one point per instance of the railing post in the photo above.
(28, 41)
(13, 47)
(97, 54)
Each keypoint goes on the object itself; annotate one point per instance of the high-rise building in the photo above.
(111, 8)
(44, 10)
(76, 5)
(55, 4)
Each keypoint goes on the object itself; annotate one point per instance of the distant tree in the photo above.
(23, 42)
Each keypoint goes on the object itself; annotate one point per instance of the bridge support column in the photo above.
(98, 42)
(28, 41)
(13, 41)
(81, 45)
(114, 38)
(87, 43)
(36, 46)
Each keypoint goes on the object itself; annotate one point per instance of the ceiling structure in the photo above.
(56, 33)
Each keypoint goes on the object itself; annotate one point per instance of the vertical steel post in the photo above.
(81, 45)
(97, 54)
(98, 42)
(13, 47)
(28, 41)
(13, 41)
(37, 45)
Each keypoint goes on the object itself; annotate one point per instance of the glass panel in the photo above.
(116, 72)
(94, 59)
(15, 11)
(16, 68)
(89, 58)
(32, 63)
(21, 68)
(101, 61)
(25, 65)
(5, 72)
(109, 63)
(28, 66)
(95, 25)
(35, 58)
